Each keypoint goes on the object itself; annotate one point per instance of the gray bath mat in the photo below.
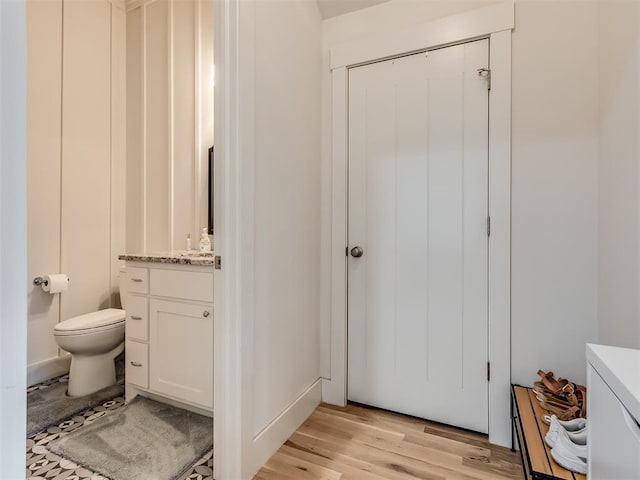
(145, 440)
(51, 405)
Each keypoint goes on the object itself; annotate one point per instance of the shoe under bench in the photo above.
(530, 429)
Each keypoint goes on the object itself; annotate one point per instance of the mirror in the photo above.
(211, 198)
(169, 122)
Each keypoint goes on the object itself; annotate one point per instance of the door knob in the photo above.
(357, 252)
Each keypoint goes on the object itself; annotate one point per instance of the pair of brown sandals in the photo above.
(560, 397)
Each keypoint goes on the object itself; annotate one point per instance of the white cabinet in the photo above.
(614, 433)
(181, 340)
(169, 333)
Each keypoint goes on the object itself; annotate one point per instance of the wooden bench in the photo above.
(537, 462)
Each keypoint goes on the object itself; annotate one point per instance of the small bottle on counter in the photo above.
(188, 242)
(205, 243)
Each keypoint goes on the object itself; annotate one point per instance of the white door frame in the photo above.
(13, 238)
(494, 22)
(227, 446)
(234, 58)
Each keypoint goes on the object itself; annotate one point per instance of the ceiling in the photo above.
(333, 8)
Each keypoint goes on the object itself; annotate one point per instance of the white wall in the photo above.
(273, 206)
(619, 174)
(554, 173)
(76, 135)
(169, 120)
(287, 204)
(13, 238)
(554, 188)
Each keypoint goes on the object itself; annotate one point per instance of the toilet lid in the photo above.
(101, 318)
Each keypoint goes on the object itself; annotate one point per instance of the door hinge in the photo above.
(488, 226)
(217, 262)
(485, 73)
(488, 372)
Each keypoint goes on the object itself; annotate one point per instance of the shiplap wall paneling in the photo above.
(156, 133)
(135, 128)
(204, 108)
(118, 145)
(183, 120)
(44, 33)
(76, 135)
(169, 121)
(86, 156)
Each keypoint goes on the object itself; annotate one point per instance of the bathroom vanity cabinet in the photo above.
(169, 331)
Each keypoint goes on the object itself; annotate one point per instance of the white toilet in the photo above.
(94, 340)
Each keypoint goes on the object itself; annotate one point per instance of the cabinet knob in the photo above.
(136, 280)
(136, 317)
(205, 314)
(136, 364)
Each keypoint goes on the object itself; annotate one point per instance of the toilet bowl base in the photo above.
(90, 373)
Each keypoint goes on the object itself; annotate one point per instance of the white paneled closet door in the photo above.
(418, 208)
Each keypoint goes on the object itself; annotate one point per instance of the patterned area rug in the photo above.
(44, 465)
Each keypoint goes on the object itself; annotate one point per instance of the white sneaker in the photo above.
(568, 425)
(569, 455)
(578, 438)
(556, 430)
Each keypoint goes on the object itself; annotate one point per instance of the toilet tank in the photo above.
(121, 285)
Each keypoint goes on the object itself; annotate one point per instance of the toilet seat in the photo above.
(91, 322)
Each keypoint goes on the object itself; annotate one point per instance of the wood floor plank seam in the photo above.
(357, 442)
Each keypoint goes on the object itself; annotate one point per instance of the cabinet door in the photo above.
(614, 435)
(181, 350)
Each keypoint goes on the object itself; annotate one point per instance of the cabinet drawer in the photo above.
(137, 280)
(137, 326)
(196, 286)
(137, 367)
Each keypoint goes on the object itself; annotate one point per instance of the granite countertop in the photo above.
(620, 369)
(180, 257)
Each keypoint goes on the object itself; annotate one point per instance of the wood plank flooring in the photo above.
(364, 443)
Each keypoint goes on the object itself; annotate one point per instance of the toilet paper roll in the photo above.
(55, 283)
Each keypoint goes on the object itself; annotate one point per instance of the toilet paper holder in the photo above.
(52, 283)
(40, 281)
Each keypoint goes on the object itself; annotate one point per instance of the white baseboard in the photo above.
(271, 438)
(46, 369)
